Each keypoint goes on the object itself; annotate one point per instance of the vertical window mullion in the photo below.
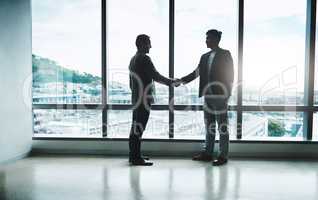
(104, 69)
(309, 67)
(171, 67)
(240, 66)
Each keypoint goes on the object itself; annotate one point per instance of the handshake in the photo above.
(176, 82)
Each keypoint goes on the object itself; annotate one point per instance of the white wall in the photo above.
(15, 68)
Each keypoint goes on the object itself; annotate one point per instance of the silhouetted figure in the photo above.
(142, 77)
(216, 79)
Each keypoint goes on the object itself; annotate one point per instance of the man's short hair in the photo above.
(141, 40)
(214, 33)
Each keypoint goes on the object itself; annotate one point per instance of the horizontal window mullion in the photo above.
(277, 108)
(69, 106)
(129, 107)
(176, 107)
(161, 107)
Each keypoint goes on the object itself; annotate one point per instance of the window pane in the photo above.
(272, 124)
(125, 20)
(190, 125)
(119, 124)
(67, 123)
(315, 127)
(66, 54)
(273, 71)
(192, 20)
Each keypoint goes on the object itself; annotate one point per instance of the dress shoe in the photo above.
(220, 161)
(140, 162)
(203, 156)
(142, 157)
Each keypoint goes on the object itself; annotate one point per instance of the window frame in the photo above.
(308, 108)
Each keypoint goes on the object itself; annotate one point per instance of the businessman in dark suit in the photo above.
(142, 77)
(216, 78)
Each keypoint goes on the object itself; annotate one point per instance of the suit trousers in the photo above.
(139, 122)
(215, 111)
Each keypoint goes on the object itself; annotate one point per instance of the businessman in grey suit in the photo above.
(142, 74)
(216, 79)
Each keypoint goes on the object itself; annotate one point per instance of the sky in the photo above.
(69, 32)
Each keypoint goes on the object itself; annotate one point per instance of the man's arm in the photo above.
(154, 74)
(229, 76)
(193, 75)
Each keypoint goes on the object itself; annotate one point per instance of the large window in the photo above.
(192, 20)
(124, 23)
(126, 20)
(66, 61)
(68, 123)
(272, 124)
(315, 126)
(66, 54)
(274, 52)
(119, 124)
(190, 125)
(81, 76)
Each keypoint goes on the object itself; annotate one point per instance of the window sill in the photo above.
(183, 139)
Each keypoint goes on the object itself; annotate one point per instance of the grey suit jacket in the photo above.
(220, 79)
(142, 76)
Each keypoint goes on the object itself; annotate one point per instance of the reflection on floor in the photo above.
(55, 177)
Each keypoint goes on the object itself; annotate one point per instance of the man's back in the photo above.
(140, 79)
(142, 75)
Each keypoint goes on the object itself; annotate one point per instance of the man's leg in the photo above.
(134, 136)
(209, 121)
(141, 116)
(210, 129)
(224, 135)
(143, 120)
(222, 120)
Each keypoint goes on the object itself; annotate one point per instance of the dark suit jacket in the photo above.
(221, 72)
(142, 76)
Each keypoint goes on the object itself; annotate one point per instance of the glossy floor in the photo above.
(54, 177)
